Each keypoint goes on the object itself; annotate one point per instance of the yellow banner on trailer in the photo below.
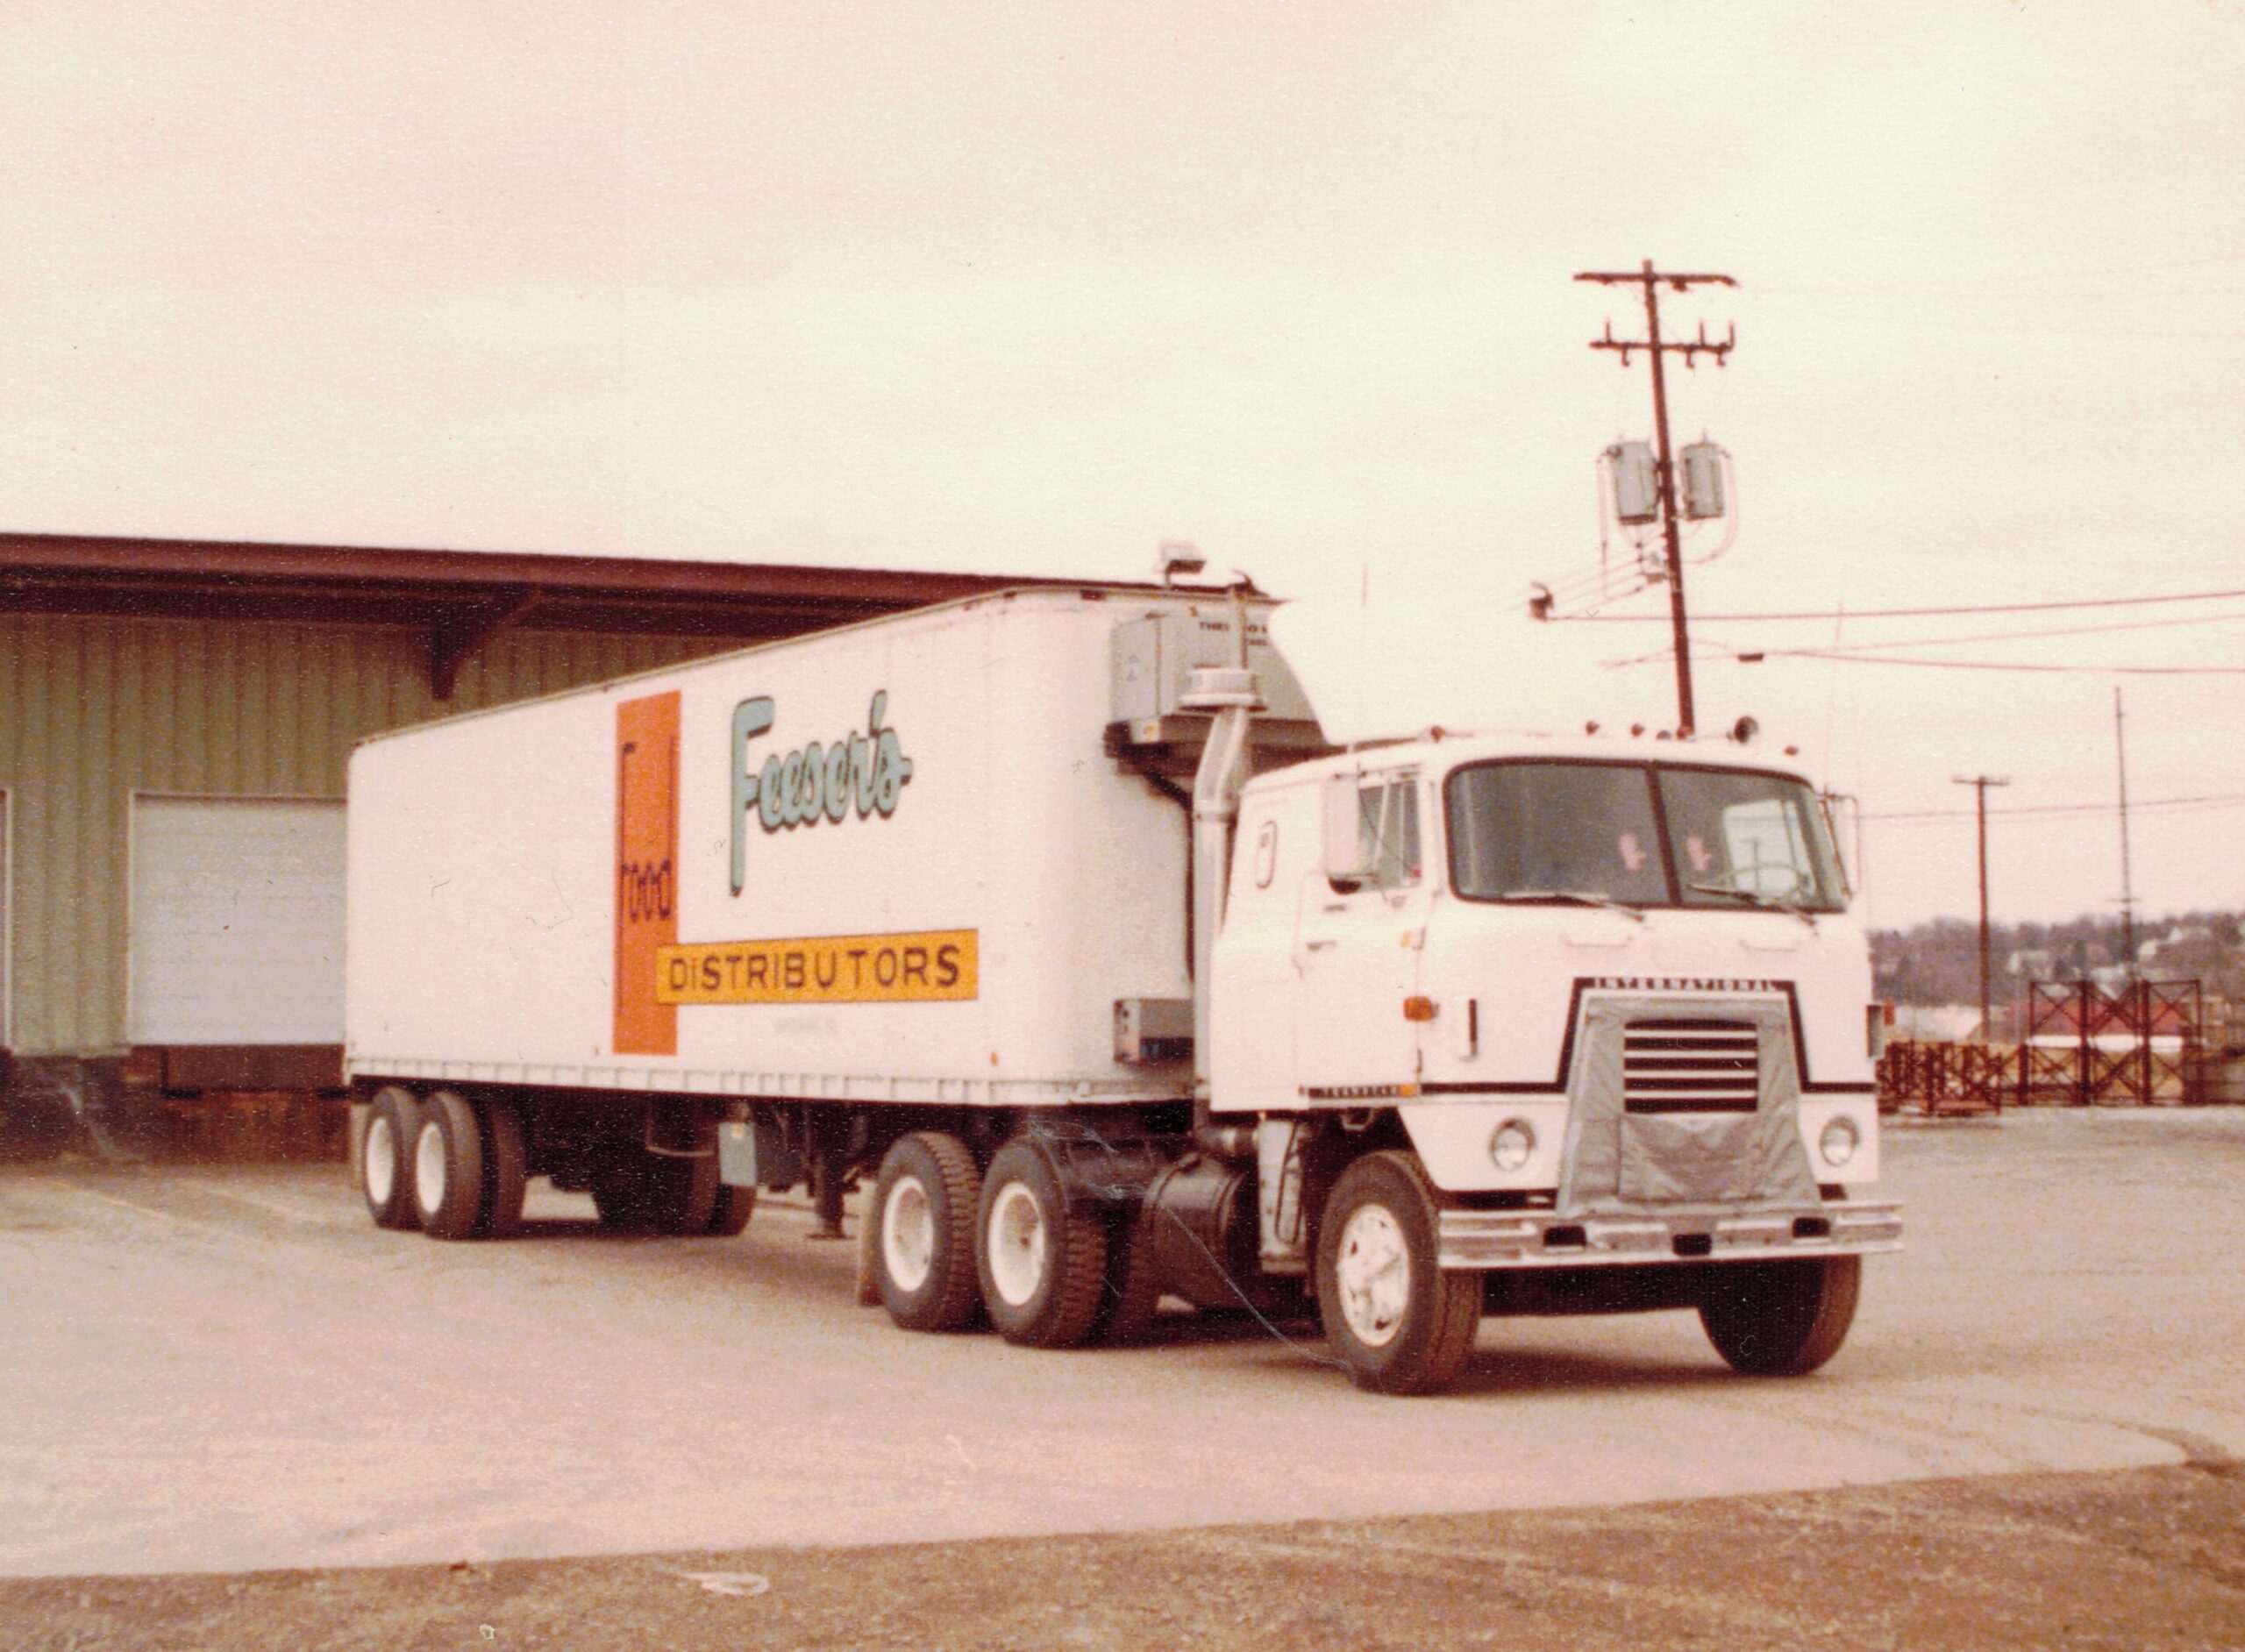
(935, 966)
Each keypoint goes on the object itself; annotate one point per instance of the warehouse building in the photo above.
(175, 720)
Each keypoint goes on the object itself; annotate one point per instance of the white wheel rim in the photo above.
(429, 1169)
(380, 1169)
(907, 1234)
(1373, 1274)
(1017, 1243)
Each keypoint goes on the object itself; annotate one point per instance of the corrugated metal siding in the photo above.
(92, 710)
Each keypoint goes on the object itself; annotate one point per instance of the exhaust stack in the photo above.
(1230, 692)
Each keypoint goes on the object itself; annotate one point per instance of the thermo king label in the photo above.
(938, 966)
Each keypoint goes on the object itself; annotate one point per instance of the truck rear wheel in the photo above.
(1781, 1319)
(924, 1204)
(1132, 1291)
(1401, 1322)
(386, 1166)
(448, 1168)
(1043, 1265)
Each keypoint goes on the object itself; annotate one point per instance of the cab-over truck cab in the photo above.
(1541, 1026)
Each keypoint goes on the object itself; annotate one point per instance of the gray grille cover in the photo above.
(1618, 1162)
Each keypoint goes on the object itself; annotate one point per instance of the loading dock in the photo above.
(171, 708)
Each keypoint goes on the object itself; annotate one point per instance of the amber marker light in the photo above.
(1416, 1007)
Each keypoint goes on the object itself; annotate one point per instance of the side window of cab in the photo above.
(1386, 854)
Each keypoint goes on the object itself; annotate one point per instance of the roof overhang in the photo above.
(457, 600)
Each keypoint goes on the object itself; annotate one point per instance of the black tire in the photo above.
(928, 1276)
(730, 1211)
(864, 1287)
(1401, 1322)
(505, 1169)
(386, 1164)
(1781, 1319)
(1043, 1265)
(1132, 1291)
(448, 1168)
(636, 1191)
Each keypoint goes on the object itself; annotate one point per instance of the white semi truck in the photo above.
(1052, 913)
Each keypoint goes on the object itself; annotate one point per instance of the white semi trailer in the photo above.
(1052, 913)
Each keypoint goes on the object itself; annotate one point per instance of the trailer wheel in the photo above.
(386, 1169)
(448, 1167)
(1043, 1266)
(1781, 1319)
(505, 1169)
(633, 1189)
(923, 1251)
(1131, 1290)
(730, 1211)
(1402, 1324)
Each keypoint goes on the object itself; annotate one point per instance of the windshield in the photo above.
(1526, 831)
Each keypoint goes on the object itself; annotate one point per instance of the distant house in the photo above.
(1935, 1024)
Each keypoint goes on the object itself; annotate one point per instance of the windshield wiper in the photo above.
(1575, 897)
(1755, 899)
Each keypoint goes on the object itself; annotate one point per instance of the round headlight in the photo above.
(1839, 1141)
(1512, 1145)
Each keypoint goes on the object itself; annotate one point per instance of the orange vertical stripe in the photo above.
(646, 869)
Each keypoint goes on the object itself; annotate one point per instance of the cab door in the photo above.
(1357, 946)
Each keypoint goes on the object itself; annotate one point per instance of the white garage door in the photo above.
(236, 921)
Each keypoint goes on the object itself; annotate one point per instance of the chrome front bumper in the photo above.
(1544, 1239)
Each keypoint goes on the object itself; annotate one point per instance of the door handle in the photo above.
(1318, 946)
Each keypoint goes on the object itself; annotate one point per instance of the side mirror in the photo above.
(1347, 862)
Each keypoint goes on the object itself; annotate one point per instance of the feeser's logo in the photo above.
(866, 770)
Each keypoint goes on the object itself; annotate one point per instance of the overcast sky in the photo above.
(1030, 288)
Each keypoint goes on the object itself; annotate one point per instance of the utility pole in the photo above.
(1658, 348)
(1980, 783)
(2127, 889)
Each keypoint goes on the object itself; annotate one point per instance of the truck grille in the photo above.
(1690, 1066)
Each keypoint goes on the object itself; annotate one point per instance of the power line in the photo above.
(1912, 613)
(2058, 811)
(2014, 636)
(1991, 664)
(1754, 655)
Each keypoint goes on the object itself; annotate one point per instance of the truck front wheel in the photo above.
(923, 1246)
(1043, 1266)
(1781, 1319)
(386, 1167)
(1400, 1322)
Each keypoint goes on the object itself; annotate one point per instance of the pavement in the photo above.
(227, 1369)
